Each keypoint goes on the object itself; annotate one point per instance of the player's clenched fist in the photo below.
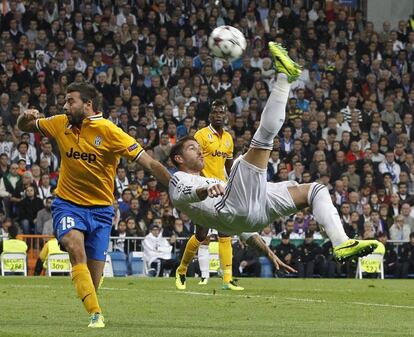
(215, 190)
(31, 114)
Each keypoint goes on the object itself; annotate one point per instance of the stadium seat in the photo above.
(372, 263)
(108, 271)
(58, 264)
(13, 263)
(267, 268)
(136, 264)
(119, 263)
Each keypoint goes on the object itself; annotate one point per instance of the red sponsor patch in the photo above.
(132, 147)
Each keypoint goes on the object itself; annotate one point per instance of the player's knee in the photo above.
(314, 190)
(201, 234)
(74, 245)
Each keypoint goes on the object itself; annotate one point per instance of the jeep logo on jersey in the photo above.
(89, 157)
(219, 154)
(98, 140)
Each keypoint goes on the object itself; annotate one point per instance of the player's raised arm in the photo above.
(27, 120)
(156, 168)
(254, 240)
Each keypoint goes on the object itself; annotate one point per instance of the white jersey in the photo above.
(249, 203)
(183, 195)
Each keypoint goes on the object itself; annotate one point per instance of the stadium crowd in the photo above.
(349, 118)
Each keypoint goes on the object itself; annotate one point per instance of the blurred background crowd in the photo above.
(349, 122)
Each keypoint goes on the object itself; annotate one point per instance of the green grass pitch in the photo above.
(268, 307)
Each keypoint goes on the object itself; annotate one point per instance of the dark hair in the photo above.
(13, 231)
(218, 102)
(87, 93)
(177, 149)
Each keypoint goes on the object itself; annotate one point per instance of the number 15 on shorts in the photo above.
(67, 222)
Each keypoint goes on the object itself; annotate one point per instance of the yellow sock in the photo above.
(226, 258)
(189, 252)
(82, 280)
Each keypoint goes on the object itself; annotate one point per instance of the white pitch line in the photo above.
(196, 293)
(384, 305)
(296, 299)
(114, 289)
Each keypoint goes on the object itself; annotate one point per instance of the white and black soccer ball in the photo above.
(227, 42)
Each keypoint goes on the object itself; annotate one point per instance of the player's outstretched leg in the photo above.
(273, 115)
(190, 250)
(204, 263)
(317, 196)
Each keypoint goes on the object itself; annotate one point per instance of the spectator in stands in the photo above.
(286, 251)
(245, 260)
(307, 254)
(28, 209)
(289, 229)
(162, 151)
(12, 244)
(121, 181)
(392, 267)
(22, 154)
(43, 215)
(158, 252)
(5, 225)
(400, 230)
(119, 245)
(407, 257)
(330, 265)
(48, 154)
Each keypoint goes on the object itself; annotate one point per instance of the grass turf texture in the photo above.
(268, 307)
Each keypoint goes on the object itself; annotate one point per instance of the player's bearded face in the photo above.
(74, 108)
(192, 156)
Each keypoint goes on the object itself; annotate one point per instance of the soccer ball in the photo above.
(227, 42)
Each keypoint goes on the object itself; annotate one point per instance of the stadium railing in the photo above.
(36, 242)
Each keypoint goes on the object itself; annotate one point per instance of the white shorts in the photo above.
(250, 203)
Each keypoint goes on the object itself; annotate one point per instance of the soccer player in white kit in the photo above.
(248, 202)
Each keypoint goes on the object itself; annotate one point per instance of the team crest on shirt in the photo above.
(98, 140)
(210, 137)
(227, 143)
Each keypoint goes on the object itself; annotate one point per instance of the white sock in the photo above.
(204, 261)
(326, 214)
(273, 115)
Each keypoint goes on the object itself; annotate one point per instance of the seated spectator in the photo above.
(400, 230)
(22, 154)
(121, 232)
(286, 251)
(4, 230)
(289, 229)
(301, 223)
(162, 151)
(330, 265)
(157, 252)
(44, 188)
(245, 260)
(306, 257)
(407, 257)
(51, 247)
(44, 215)
(391, 265)
(125, 201)
(313, 228)
(13, 245)
(28, 209)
